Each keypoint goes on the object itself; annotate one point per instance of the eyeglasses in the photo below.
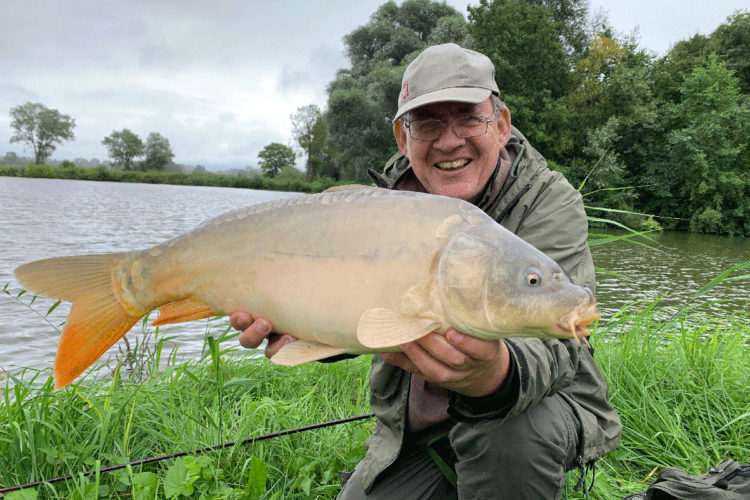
(463, 126)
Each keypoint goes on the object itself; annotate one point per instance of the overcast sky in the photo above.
(219, 78)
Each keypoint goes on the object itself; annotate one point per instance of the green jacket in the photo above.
(541, 207)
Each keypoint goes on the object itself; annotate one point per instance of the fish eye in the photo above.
(533, 277)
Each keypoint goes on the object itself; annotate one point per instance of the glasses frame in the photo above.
(443, 123)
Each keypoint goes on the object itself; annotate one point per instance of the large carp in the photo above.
(355, 271)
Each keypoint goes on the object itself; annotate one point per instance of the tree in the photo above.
(124, 146)
(709, 153)
(534, 45)
(732, 40)
(359, 133)
(395, 32)
(40, 127)
(611, 110)
(158, 152)
(10, 158)
(671, 70)
(310, 129)
(363, 99)
(274, 157)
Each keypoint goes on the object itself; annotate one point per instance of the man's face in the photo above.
(451, 165)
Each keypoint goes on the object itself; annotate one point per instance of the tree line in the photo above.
(666, 135)
(43, 129)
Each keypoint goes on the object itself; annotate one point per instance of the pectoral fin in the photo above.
(381, 328)
(302, 351)
(184, 310)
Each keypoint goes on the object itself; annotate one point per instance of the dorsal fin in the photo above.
(346, 187)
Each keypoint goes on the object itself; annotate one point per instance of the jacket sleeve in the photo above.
(553, 220)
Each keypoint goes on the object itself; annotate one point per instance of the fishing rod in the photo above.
(195, 452)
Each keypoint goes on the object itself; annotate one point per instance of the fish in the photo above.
(355, 270)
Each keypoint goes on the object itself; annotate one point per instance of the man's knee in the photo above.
(528, 452)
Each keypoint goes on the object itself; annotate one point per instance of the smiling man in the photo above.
(460, 417)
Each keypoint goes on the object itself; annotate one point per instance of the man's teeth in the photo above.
(449, 165)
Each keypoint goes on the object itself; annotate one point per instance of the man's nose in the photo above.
(448, 140)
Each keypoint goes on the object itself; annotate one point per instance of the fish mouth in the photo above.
(574, 323)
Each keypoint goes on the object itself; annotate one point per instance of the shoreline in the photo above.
(102, 174)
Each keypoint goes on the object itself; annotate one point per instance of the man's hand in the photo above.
(458, 362)
(256, 330)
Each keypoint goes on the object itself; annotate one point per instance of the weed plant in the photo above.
(679, 385)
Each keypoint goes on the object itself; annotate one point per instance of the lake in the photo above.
(42, 218)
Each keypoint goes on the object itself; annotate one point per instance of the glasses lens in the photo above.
(470, 126)
(425, 130)
(465, 126)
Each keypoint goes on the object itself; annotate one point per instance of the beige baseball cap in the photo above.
(446, 72)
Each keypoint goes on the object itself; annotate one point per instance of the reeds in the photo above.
(681, 389)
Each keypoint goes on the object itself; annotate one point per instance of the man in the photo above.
(508, 417)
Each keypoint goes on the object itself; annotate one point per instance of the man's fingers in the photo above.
(276, 341)
(401, 360)
(473, 347)
(240, 320)
(457, 362)
(442, 350)
(252, 336)
(429, 366)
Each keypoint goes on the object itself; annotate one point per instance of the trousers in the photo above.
(521, 457)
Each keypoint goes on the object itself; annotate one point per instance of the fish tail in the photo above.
(97, 317)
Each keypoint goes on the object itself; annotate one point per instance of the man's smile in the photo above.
(452, 165)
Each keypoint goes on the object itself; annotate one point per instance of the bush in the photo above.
(650, 224)
(707, 221)
(10, 170)
(39, 171)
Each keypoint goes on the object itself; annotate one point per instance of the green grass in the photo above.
(679, 384)
(681, 389)
(98, 422)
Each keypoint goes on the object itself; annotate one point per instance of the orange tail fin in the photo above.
(97, 319)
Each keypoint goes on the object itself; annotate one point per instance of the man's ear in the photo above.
(503, 124)
(399, 131)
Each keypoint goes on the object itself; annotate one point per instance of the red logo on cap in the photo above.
(406, 90)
